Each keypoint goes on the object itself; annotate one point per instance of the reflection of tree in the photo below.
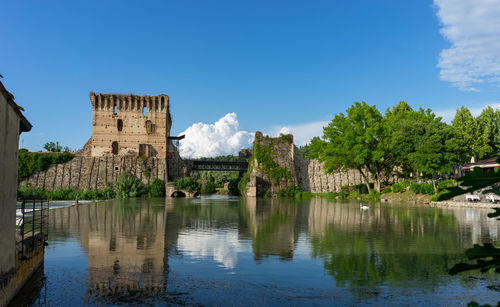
(387, 245)
(272, 227)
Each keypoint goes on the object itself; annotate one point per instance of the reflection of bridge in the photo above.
(208, 165)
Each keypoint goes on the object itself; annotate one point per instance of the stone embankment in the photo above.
(96, 172)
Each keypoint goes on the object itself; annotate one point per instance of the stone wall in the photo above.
(97, 172)
(309, 175)
(282, 152)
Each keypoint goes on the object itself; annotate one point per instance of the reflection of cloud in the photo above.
(220, 138)
(223, 247)
(302, 133)
(449, 114)
(473, 28)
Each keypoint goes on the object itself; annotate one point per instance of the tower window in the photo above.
(115, 110)
(145, 111)
(150, 128)
(119, 124)
(114, 146)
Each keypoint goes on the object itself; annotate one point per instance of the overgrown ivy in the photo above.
(264, 157)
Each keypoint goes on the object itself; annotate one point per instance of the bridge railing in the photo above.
(32, 221)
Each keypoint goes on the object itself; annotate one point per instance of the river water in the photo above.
(230, 251)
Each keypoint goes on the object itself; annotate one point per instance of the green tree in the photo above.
(436, 149)
(475, 136)
(53, 147)
(354, 141)
(489, 121)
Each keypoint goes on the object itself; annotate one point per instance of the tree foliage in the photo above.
(474, 131)
(403, 140)
(30, 162)
(353, 141)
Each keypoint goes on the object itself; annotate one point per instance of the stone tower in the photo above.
(129, 125)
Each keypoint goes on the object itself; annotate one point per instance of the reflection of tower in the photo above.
(173, 223)
(272, 226)
(125, 249)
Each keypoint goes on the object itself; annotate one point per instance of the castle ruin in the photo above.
(124, 125)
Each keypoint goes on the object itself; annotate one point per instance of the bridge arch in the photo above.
(178, 194)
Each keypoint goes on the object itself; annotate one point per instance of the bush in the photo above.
(294, 191)
(400, 187)
(242, 184)
(127, 186)
(443, 184)
(233, 187)
(422, 188)
(70, 194)
(30, 162)
(208, 188)
(188, 183)
(157, 188)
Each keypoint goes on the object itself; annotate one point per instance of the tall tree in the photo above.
(354, 141)
(436, 149)
(489, 122)
(474, 135)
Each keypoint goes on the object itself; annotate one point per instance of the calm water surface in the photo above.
(232, 251)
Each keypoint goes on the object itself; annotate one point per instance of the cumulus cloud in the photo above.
(449, 114)
(223, 248)
(473, 28)
(220, 138)
(302, 133)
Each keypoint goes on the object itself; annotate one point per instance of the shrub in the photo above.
(208, 188)
(233, 187)
(70, 194)
(127, 186)
(242, 184)
(30, 162)
(443, 184)
(422, 188)
(187, 183)
(400, 187)
(157, 188)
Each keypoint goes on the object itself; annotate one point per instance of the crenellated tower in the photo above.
(129, 125)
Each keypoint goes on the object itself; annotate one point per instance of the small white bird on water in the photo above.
(364, 207)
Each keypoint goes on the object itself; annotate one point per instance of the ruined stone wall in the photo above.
(308, 175)
(282, 152)
(97, 172)
(120, 119)
(312, 177)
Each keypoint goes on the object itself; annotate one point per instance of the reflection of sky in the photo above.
(222, 246)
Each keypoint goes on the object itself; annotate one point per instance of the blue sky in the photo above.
(277, 65)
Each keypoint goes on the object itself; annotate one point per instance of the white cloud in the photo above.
(222, 247)
(473, 28)
(449, 114)
(302, 133)
(220, 138)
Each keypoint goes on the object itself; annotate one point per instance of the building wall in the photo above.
(109, 108)
(9, 142)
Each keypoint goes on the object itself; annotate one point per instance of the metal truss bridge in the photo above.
(223, 166)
